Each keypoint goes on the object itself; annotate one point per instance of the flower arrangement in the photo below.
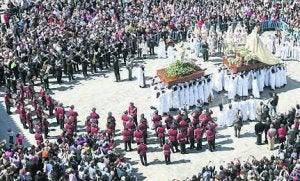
(180, 68)
(229, 48)
(233, 61)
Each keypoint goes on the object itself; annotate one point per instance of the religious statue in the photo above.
(255, 45)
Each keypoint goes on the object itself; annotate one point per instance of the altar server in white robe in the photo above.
(252, 108)
(230, 115)
(165, 103)
(196, 93)
(245, 84)
(182, 96)
(218, 80)
(250, 77)
(244, 107)
(272, 78)
(210, 89)
(159, 103)
(277, 78)
(205, 91)
(191, 95)
(255, 90)
(186, 94)
(232, 88)
(267, 76)
(226, 79)
(171, 54)
(169, 95)
(277, 47)
(175, 97)
(161, 53)
(284, 75)
(141, 77)
(261, 80)
(200, 90)
(221, 118)
(239, 87)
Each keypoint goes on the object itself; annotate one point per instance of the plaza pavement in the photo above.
(108, 96)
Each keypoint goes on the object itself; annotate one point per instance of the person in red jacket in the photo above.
(38, 138)
(7, 102)
(125, 118)
(94, 129)
(167, 152)
(142, 151)
(138, 135)
(28, 117)
(198, 133)
(88, 124)
(173, 139)
(281, 134)
(156, 119)
(210, 136)
(131, 127)
(190, 135)
(132, 110)
(50, 104)
(45, 125)
(74, 114)
(127, 138)
(160, 130)
(143, 127)
(168, 120)
(94, 115)
(181, 137)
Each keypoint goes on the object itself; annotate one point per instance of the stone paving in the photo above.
(106, 95)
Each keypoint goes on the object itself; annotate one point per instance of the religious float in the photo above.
(242, 60)
(179, 72)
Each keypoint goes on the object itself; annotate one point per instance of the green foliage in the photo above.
(180, 68)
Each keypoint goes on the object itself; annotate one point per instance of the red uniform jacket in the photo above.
(73, 113)
(143, 127)
(39, 138)
(125, 119)
(190, 132)
(48, 100)
(156, 119)
(172, 134)
(131, 126)
(167, 149)
(132, 110)
(142, 149)
(126, 135)
(181, 137)
(160, 132)
(198, 133)
(179, 117)
(210, 135)
(281, 132)
(94, 130)
(138, 135)
(94, 115)
(69, 128)
(195, 119)
(183, 124)
(168, 121)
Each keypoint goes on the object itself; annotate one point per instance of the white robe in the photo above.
(205, 91)
(159, 104)
(161, 53)
(221, 118)
(169, 95)
(284, 81)
(141, 77)
(277, 78)
(232, 88)
(261, 80)
(201, 91)
(186, 96)
(191, 95)
(182, 97)
(252, 109)
(272, 80)
(244, 107)
(245, 85)
(239, 87)
(218, 81)
(196, 93)
(267, 77)
(176, 98)
(255, 90)
(165, 103)
(230, 117)
(226, 81)
(171, 54)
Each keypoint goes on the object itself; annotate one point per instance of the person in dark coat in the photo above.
(259, 129)
(116, 69)
(205, 51)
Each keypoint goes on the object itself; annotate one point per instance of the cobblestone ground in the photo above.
(102, 92)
